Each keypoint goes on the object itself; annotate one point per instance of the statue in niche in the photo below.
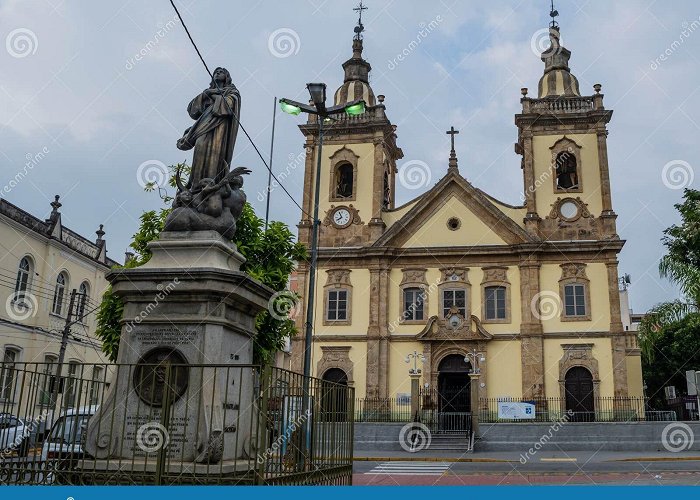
(212, 198)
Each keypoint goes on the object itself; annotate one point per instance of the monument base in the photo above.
(184, 377)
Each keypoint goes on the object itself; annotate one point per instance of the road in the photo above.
(550, 469)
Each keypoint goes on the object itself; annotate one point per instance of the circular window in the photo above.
(568, 210)
(453, 223)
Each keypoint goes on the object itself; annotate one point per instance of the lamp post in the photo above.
(414, 373)
(475, 358)
(318, 108)
(318, 97)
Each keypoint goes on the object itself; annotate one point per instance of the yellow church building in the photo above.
(530, 291)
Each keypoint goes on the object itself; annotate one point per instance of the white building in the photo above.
(41, 263)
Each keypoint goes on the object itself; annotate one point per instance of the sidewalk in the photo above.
(542, 456)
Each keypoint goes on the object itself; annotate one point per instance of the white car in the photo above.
(15, 435)
(66, 436)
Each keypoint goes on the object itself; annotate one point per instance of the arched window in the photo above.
(83, 297)
(24, 273)
(567, 173)
(344, 180)
(59, 293)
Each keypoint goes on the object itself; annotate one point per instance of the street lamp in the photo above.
(415, 355)
(474, 358)
(318, 108)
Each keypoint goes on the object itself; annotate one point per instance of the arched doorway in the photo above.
(454, 401)
(578, 387)
(334, 401)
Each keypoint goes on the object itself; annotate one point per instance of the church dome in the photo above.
(356, 82)
(557, 79)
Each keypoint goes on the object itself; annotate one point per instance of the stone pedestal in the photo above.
(186, 336)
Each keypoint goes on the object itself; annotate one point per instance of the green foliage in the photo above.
(108, 316)
(270, 257)
(666, 333)
(675, 349)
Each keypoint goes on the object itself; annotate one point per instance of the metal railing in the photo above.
(606, 409)
(173, 424)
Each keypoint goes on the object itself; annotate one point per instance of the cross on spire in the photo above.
(360, 27)
(453, 155)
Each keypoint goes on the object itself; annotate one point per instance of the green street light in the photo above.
(289, 108)
(355, 109)
(317, 91)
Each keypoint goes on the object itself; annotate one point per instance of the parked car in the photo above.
(65, 440)
(64, 443)
(15, 435)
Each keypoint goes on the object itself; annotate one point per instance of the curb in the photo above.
(656, 459)
(430, 459)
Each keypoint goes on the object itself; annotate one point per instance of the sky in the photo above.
(94, 97)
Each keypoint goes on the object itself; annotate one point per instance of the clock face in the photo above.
(341, 217)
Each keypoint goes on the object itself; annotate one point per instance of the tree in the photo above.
(676, 349)
(667, 347)
(270, 256)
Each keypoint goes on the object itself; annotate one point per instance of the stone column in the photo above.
(373, 348)
(617, 333)
(531, 217)
(474, 396)
(376, 223)
(532, 343)
(415, 394)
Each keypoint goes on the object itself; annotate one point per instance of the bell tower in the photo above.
(358, 164)
(562, 137)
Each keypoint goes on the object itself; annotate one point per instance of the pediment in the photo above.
(479, 220)
(438, 329)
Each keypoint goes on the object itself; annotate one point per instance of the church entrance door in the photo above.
(454, 402)
(578, 385)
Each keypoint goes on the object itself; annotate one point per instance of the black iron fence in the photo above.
(607, 409)
(447, 413)
(164, 423)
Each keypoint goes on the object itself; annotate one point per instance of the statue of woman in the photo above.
(213, 135)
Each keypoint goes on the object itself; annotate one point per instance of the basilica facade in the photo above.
(530, 292)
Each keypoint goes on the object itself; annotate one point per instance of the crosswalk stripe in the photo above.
(409, 469)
